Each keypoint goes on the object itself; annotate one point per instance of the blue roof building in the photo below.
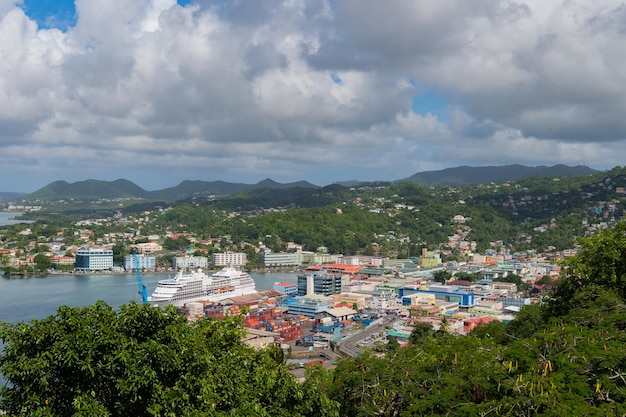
(452, 294)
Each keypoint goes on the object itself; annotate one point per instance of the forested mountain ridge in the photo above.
(466, 175)
(122, 188)
(538, 213)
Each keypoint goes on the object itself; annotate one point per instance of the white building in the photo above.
(190, 262)
(281, 259)
(361, 260)
(94, 259)
(230, 258)
(145, 262)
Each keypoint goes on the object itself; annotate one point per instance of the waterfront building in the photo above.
(229, 258)
(319, 281)
(281, 258)
(145, 262)
(190, 262)
(94, 259)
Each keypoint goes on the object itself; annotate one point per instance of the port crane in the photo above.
(140, 285)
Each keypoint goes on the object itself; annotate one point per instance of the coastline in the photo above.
(171, 271)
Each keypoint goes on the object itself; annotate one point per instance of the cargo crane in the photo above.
(142, 287)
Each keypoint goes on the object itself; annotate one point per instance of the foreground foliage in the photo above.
(574, 366)
(563, 357)
(142, 361)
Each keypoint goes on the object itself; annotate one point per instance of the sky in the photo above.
(160, 91)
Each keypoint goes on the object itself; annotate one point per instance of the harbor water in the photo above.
(26, 298)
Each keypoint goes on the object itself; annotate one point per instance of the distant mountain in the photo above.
(94, 189)
(89, 189)
(466, 175)
(349, 183)
(187, 189)
(7, 196)
(269, 183)
(121, 188)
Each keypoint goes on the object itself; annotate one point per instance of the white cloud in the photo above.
(244, 90)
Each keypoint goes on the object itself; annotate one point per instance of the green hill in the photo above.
(89, 189)
(466, 175)
(121, 188)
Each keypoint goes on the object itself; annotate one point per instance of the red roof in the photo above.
(285, 284)
(348, 269)
(479, 320)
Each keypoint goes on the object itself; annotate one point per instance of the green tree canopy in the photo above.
(601, 262)
(143, 361)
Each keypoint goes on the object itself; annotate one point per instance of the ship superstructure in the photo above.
(197, 285)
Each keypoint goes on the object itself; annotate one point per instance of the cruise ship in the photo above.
(196, 286)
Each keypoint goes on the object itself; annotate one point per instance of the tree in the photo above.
(601, 262)
(178, 244)
(143, 361)
(441, 276)
(392, 345)
(42, 262)
(420, 330)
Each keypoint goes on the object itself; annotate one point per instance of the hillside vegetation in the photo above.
(537, 213)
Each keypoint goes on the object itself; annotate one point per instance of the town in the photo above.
(336, 304)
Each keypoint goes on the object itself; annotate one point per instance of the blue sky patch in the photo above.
(335, 78)
(59, 14)
(429, 102)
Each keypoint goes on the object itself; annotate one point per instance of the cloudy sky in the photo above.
(159, 91)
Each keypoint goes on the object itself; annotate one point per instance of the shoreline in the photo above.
(291, 270)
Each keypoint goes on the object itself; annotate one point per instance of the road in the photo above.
(348, 347)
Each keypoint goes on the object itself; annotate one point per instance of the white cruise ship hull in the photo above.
(198, 286)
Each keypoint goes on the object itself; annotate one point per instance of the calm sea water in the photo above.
(23, 299)
(7, 218)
